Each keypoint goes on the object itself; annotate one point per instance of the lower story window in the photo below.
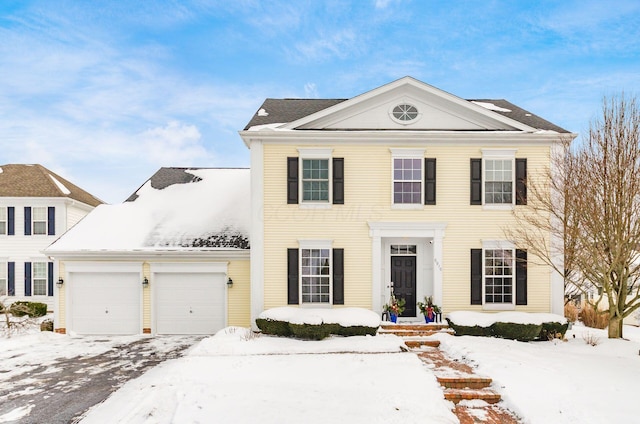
(498, 276)
(315, 275)
(39, 278)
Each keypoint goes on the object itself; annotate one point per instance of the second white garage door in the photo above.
(189, 303)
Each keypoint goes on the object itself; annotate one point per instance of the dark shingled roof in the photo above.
(18, 180)
(289, 110)
(165, 177)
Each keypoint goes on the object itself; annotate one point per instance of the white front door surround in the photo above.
(427, 236)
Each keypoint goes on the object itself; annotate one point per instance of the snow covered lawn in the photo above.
(238, 379)
(559, 382)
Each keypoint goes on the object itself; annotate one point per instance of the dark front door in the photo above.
(403, 276)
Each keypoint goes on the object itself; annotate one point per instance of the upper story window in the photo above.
(315, 180)
(498, 181)
(39, 220)
(3, 220)
(407, 176)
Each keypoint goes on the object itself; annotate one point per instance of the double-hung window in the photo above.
(315, 180)
(3, 279)
(498, 181)
(407, 169)
(39, 278)
(315, 275)
(3, 220)
(498, 276)
(39, 220)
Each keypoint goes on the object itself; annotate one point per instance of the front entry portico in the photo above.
(409, 255)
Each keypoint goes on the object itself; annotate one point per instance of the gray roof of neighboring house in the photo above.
(19, 180)
(289, 110)
(166, 177)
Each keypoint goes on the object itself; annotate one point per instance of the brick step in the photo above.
(414, 333)
(467, 382)
(416, 327)
(418, 343)
(457, 395)
(490, 414)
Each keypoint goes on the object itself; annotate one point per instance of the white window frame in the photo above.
(499, 155)
(35, 277)
(499, 245)
(315, 154)
(34, 221)
(407, 154)
(313, 245)
(4, 219)
(4, 278)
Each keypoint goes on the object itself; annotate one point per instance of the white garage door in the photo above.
(189, 303)
(105, 303)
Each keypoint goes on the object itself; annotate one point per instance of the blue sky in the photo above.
(106, 92)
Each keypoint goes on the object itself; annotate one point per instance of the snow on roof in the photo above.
(491, 106)
(61, 186)
(212, 211)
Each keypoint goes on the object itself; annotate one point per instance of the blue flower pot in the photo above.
(393, 317)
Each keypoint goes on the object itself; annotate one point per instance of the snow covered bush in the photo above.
(316, 324)
(520, 326)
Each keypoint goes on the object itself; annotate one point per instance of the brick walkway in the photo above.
(475, 401)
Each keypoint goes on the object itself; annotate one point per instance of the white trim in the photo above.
(497, 244)
(407, 153)
(401, 102)
(306, 244)
(401, 153)
(257, 230)
(189, 267)
(313, 153)
(123, 267)
(499, 153)
(315, 243)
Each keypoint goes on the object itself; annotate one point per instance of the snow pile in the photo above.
(491, 106)
(60, 186)
(211, 212)
(346, 317)
(483, 319)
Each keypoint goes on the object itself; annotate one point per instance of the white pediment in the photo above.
(437, 111)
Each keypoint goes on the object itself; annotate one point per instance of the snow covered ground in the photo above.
(233, 377)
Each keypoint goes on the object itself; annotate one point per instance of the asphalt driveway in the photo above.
(63, 389)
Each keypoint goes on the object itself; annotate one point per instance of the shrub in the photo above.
(33, 309)
(356, 330)
(275, 328)
(476, 330)
(593, 318)
(46, 325)
(571, 312)
(310, 331)
(513, 331)
(553, 330)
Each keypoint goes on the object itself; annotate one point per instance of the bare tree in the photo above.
(592, 212)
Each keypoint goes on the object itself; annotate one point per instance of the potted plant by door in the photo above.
(428, 309)
(395, 307)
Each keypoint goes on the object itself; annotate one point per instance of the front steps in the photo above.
(475, 401)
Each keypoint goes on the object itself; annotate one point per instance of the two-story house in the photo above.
(405, 186)
(36, 207)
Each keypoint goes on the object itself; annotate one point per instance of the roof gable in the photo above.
(438, 111)
(19, 180)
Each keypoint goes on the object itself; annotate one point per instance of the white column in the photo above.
(437, 268)
(377, 291)
(257, 230)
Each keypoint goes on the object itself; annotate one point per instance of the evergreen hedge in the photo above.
(311, 331)
(513, 331)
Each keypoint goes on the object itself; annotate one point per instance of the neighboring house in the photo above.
(172, 259)
(404, 184)
(36, 207)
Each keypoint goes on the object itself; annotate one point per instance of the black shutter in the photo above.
(292, 181)
(11, 274)
(338, 181)
(27, 278)
(429, 181)
(292, 277)
(521, 181)
(27, 221)
(476, 276)
(476, 181)
(338, 276)
(521, 277)
(11, 221)
(51, 221)
(50, 278)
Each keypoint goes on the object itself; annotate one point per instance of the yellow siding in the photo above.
(368, 188)
(239, 296)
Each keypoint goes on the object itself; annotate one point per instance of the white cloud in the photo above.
(175, 144)
(311, 90)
